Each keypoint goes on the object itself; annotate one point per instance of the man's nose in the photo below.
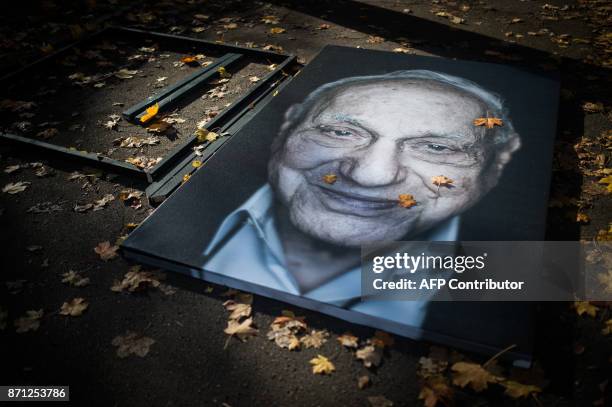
(378, 165)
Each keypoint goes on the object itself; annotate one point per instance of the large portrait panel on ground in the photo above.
(344, 156)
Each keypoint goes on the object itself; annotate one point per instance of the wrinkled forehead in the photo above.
(386, 98)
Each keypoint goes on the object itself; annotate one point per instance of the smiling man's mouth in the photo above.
(349, 202)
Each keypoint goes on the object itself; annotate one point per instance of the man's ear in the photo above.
(505, 154)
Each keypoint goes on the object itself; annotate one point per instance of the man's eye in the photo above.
(342, 133)
(437, 147)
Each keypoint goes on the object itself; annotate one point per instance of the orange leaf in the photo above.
(488, 122)
(151, 112)
(330, 178)
(406, 200)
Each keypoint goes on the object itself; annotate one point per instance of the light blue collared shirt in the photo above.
(254, 253)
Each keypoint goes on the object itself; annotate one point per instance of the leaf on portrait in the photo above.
(488, 122)
(406, 201)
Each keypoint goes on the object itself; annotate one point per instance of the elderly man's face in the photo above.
(382, 140)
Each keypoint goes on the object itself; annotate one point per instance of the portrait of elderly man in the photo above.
(353, 164)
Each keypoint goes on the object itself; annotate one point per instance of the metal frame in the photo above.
(168, 174)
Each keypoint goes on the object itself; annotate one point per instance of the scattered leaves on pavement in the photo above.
(74, 307)
(15, 187)
(322, 365)
(29, 322)
(106, 251)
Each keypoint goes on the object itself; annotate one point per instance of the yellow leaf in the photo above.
(205, 135)
(277, 30)
(474, 375)
(441, 181)
(223, 72)
(517, 390)
(330, 178)
(585, 307)
(322, 365)
(186, 178)
(582, 217)
(150, 113)
(196, 164)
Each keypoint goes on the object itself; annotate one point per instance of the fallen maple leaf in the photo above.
(488, 122)
(74, 307)
(132, 343)
(315, 339)
(435, 390)
(205, 135)
(330, 178)
(277, 30)
(382, 339)
(74, 279)
(269, 20)
(106, 251)
(238, 310)
(370, 355)
(241, 330)
(363, 382)
(607, 180)
(189, 60)
(431, 367)
(474, 375)
(113, 122)
(517, 390)
(150, 112)
(348, 340)
(322, 365)
(582, 217)
(585, 307)
(15, 187)
(29, 322)
(406, 200)
(223, 72)
(196, 163)
(441, 181)
(101, 203)
(125, 73)
(136, 280)
(593, 107)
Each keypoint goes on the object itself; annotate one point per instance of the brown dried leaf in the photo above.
(315, 339)
(241, 330)
(106, 251)
(349, 340)
(74, 279)
(29, 322)
(132, 343)
(474, 375)
(370, 355)
(74, 307)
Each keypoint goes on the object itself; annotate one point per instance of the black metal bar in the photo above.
(169, 100)
(133, 110)
(160, 190)
(252, 52)
(88, 158)
(238, 106)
